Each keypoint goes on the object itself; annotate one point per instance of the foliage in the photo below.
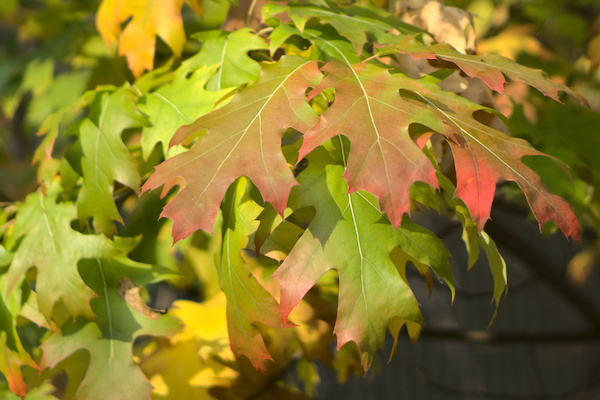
(302, 152)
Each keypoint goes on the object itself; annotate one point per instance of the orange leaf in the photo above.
(148, 19)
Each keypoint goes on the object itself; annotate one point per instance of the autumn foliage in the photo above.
(285, 161)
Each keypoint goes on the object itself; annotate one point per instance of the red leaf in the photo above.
(484, 156)
(369, 110)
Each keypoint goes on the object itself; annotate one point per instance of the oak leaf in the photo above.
(106, 159)
(484, 156)
(354, 23)
(350, 234)
(497, 268)
(144, 19)
(248, 302)
(108, 339)
(369, 110)
(175, 104)
(50, 244)
(490, 68)
(230, 50)
(242, 138)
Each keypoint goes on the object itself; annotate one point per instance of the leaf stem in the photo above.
(264, 31)
(250, 12)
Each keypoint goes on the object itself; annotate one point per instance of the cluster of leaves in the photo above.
(563, 38)
(298, 152)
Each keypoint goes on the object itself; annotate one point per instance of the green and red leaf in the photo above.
(350, 234)
(242, 139)
(369, 110)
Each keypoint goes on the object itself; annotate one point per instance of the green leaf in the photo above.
(64, 91)
(497, 267)
(175, 104)
(42, 392)
(108, 340)
(354, 23)
(105, 156)
(474, 241)
(268, 220)
(248, 302)
(350, 234)
(5, 256)
(279, 244)
(230, 51)
(37, 78)
(53, 125)
(330, 44)
(470, 233)
(54, 248)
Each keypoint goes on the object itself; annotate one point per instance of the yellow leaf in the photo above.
(148, 19)
(206, 323)
(593, 52)
(197, 358)
(512, 41)
(581, 266)
(347, 362)
(177, 372)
